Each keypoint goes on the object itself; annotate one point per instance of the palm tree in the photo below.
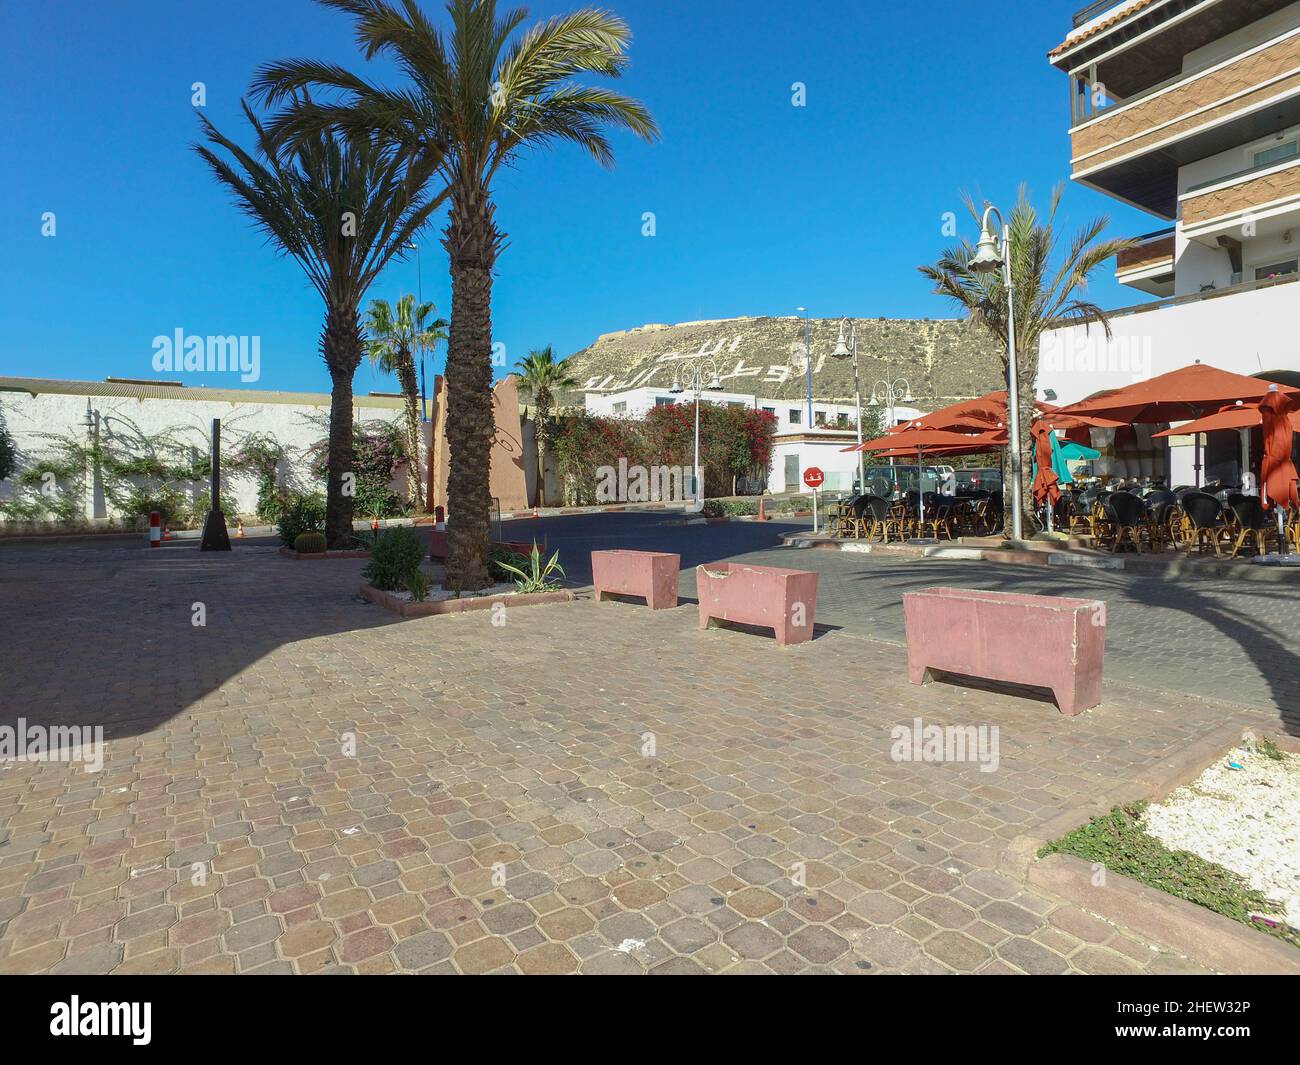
(395, 335)
(473, 98)
(540, 377)
(341, 205)
(1046, 297)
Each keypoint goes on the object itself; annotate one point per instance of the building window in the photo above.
(819, 419)
(770, 410)
(796, 417)
(664, 401)
(620, 408)
(1263, 273)
(1278, 153)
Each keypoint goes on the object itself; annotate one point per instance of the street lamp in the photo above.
(419, 281)
(697, 381)
(990, 256)
(807, 358)
(890, 392)
(850, 351)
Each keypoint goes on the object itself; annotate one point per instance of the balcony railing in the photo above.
(1090, 12)
(1200, 297)
(1148, 250)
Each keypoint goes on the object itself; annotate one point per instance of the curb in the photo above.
(460, 606)
(289, 552)
(1227, 945)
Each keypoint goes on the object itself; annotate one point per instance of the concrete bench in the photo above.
(783, 600)
(1037, 640)
(652, 574)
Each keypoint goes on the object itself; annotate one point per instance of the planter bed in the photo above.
(408, 608)
(289, 552)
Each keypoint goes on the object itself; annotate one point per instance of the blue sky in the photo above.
(760, 206)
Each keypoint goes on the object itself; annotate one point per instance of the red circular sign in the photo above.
(813, 477)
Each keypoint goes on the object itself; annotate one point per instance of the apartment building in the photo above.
(1189, 110)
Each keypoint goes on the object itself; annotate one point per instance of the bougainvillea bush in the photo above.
(379, 452)
(734, 442)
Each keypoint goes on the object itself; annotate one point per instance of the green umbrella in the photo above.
(1065, 452)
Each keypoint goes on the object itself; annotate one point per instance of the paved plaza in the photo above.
(307, 784)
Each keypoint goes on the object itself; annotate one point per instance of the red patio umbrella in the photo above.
(1046, 486)
(1279, 472)
(1237, 416)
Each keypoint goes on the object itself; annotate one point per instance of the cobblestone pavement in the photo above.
(1227, 639)
(307, 784)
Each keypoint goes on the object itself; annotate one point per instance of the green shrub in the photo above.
(141, 501)
(717, 508)
(498, 557)
(418, 583)
(302, 513)
(397, 553)
(309, 543)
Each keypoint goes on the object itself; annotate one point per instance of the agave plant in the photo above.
(538, 576)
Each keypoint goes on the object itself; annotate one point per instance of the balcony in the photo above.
(1149, 265)
(1153, 88)
(1261, 202)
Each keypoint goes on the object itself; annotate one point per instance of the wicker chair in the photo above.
(1205, 522)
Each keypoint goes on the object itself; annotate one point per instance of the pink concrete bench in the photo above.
(651, 574)
(1038, 640)
(783, 600)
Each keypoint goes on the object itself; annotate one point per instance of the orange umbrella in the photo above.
(1238, 416)
(1174, 395)
(927, 439)
(1046, 481)
(1279, 472)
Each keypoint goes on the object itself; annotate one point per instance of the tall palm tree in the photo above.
(395, 335)
(1047, 297)
(474, 97)
(540, 377)
(342, 205)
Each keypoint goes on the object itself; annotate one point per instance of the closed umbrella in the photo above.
(1046, 485)
(1279, 472)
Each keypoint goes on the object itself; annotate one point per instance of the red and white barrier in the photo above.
(155, 529)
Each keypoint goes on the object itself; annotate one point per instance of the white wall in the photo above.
(840, 467)
(1245, 332)
(31, 420)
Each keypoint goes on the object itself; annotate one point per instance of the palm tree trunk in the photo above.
(414, 438)
(341, 346)
(543, 439)
(471, 242)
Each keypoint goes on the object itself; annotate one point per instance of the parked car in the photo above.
(892, 481)
(979, 479)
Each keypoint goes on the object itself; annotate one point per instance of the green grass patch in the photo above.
(1120, 844)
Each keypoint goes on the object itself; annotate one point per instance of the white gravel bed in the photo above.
(438, 594)
(1246, 820)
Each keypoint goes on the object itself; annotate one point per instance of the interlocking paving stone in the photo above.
(498, 813)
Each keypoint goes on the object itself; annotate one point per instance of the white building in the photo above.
(797, 446)
(1190, 111)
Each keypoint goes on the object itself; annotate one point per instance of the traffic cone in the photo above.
(240, 534)
(762, 508)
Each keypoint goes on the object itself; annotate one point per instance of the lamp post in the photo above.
(419, 302)
(850, 351)
(697, 380)
(990, 256)
(891, 392)
(807, 358)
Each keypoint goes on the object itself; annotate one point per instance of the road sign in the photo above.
(813, 477)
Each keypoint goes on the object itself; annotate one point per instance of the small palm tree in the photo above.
(1047, 296)
(540, 377)
(396, 334)
(475, 96)
(341, 205)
